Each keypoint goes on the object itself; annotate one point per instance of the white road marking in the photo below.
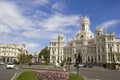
(14, 76)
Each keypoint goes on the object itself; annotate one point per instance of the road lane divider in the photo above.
(14, 76)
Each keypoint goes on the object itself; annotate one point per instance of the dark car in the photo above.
(85, 65)
(90, 66)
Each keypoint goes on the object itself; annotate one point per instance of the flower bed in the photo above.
(50, 75)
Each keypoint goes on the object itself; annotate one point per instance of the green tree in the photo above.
(45, 53)
(24, 58)
(29, 57)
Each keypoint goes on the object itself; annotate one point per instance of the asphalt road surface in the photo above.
(89, 73)
(99, 74)
(7, 74)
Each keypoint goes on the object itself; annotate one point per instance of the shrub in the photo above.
(17, 63)
(62, 63)
(30, 63)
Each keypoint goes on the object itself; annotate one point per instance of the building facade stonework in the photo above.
(56, 50)
(103, 48)
(10, 52)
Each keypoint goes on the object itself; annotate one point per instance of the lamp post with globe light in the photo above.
(78, 60)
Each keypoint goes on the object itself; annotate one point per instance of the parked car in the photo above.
(1, 63)
(81, 65)
(90, 66)
(10, 66)
(85, 65)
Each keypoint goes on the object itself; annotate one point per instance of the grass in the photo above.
(27, 76)
(75, 77)
(32, 76)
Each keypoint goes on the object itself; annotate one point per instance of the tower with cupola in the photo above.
(85, 24)
(85, 32)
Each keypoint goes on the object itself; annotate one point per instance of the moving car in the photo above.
(10, 66)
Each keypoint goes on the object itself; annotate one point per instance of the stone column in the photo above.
(12, 59)
(6, 60)
(9, 59)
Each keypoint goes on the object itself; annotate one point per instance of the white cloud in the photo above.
(11, 18)
(40, 2)
(59, 21)
(12, 23)
(38, 14)
(39, 34)
(109, 24)
(16, 28)
(4, 28)
(59, 6)
(31, 46)
(52, 25)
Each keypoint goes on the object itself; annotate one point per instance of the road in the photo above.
(7, 74)
(99, 74)
(89, 73)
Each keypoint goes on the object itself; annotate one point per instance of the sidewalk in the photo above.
(84, 77)
(90, 78)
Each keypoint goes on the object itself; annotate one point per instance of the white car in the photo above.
(56, 65)
(10, 66)
(81, 65)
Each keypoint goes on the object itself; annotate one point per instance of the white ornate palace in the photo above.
(10, 52)
(103, 48)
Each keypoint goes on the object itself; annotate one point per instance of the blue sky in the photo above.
(36, 22)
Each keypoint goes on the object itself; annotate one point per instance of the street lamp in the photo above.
(78, 58)
(69, 58)
(77, 63)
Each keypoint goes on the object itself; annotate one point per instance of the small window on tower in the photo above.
(83, 27)
(82, 36)
(98, 34)
(91, 36)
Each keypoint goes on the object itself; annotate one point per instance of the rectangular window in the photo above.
(98, 57)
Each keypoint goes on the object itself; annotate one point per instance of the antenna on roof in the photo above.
(67, 39)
